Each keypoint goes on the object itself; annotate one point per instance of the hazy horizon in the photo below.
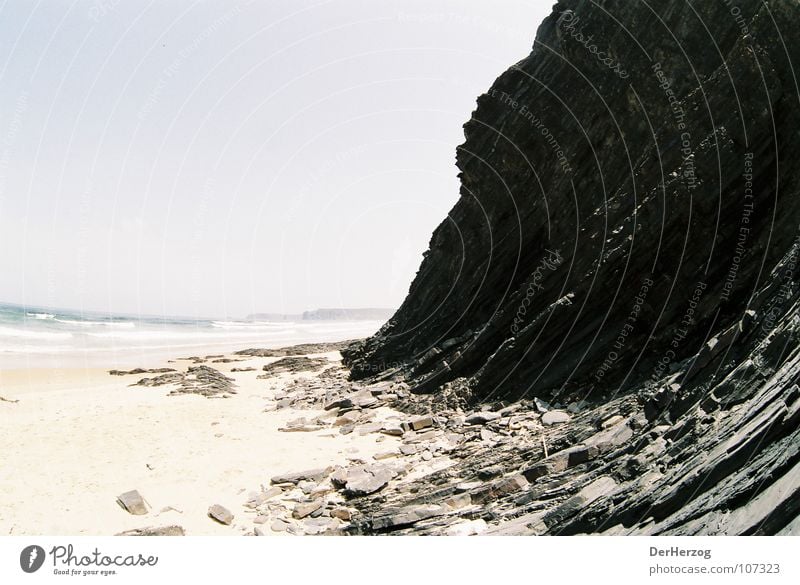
(201, 159)
(5, 303)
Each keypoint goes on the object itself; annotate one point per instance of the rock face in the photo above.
(626, 239)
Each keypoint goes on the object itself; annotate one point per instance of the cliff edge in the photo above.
(623, 255)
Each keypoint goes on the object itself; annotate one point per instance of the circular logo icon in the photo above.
(31, 558)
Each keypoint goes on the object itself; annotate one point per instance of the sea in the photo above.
(37, 337)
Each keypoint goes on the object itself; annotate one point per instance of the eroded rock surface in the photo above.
(201, 380)
(624, 256)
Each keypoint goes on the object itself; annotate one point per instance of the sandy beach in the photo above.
(74, 439)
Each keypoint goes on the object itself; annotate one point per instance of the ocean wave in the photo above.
(26, 349)
(41, 315)
(252, 325)
(27, 334)
(195, 334)
(117, 324)
(145, 335)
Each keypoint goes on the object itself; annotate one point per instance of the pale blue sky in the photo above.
(223, 158)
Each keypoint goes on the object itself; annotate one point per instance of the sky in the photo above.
(216, 159)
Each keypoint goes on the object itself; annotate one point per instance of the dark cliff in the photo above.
(627, 239)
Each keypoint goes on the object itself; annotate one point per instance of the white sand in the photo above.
(78, 438)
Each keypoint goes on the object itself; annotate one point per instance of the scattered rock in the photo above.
(296, 350)
(341, 402)
(611, 421)
(458, 501)
(279, 525)
(258, 498)
(133, 503)
(467, 528)
(392, 430)
(348, 418)
(499, 488)
(407, 516)
(341, 514)
(420, 423)
(409, 449)
(201, 380)
(555, 417)
(220, 514)
(369, 428)
(306, 508)
(362, 480)
(420, 437)
(364, 399)
(490, 471)
(293, 365)
(481, 418)
(320, 525)
(315, 475)
(172, 530)
(307, 486)
(140, 371)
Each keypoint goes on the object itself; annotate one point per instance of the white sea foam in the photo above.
(29, 334)
(251, 325)
(42, 316)
(115, 324)
(131, 341)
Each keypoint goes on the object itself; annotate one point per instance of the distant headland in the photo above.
(370, 314)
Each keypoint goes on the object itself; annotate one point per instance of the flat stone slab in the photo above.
(481, 418)
(407, 516)
(362, 480)
(295, 477)
(304, 509)
(555, 417)
(319, 525)
(172, 530)
(221, 514)
(132, 502)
